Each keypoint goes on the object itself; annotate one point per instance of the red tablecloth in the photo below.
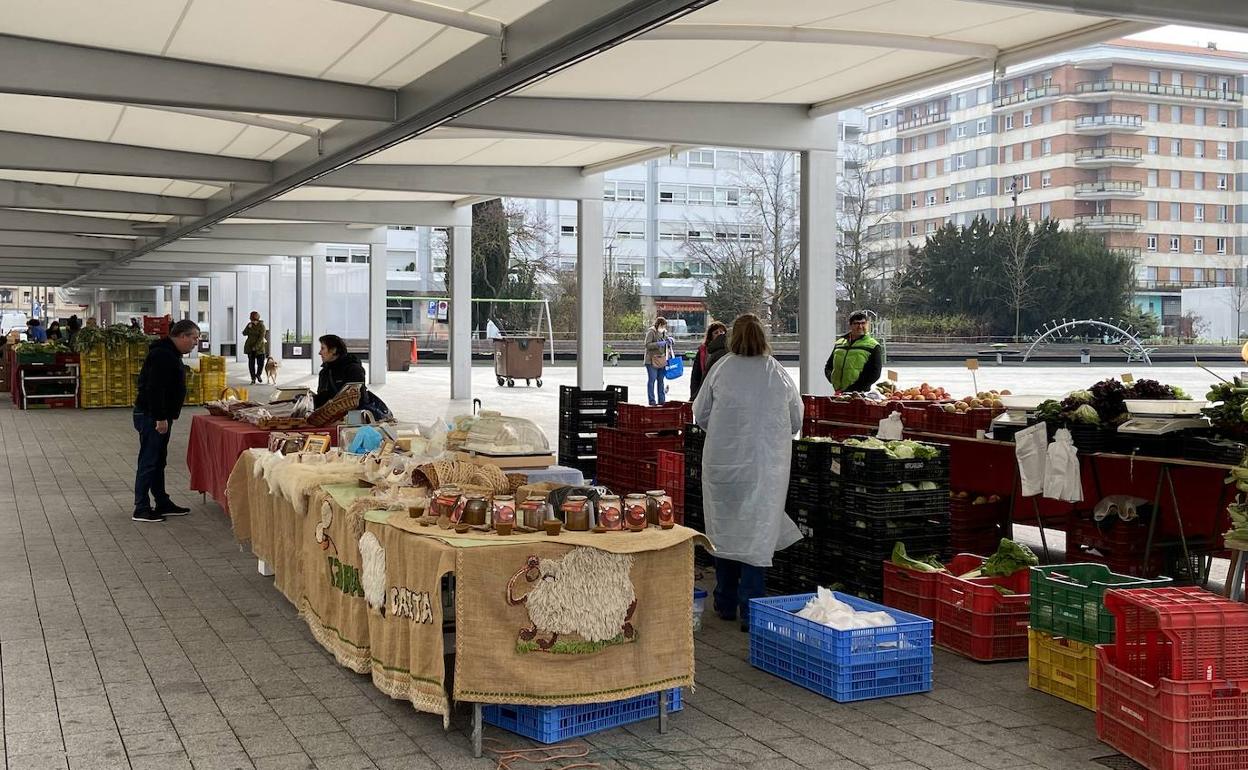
(215, 445)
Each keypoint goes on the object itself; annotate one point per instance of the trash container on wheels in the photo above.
(398, 355)
(518, 358)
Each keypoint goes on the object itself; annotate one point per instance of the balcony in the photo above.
(1132, 253)
(1106, 190)
(1103, 90)
(917, 124)
(1108, 221)
(1174, 285)
(1027, 95)
(1102, 157)
(1104, 124)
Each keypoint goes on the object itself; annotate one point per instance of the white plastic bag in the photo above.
(890, 428)
(1031, 451)
(1124, 507)
(1061, 477)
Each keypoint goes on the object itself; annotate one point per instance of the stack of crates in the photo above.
(813, 496)
(581, 414)
(156, 326)
(93, 378)
(138, 354)
(671, 479)
(117, 373)
(874, 513)
(1172, 689)
(628, 453)
(977, 521)
(1068, 620)
(695, 440)
(211, 377)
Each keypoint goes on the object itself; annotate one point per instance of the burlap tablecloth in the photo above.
(271, 524)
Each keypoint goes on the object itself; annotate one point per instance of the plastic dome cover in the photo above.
(497, 433)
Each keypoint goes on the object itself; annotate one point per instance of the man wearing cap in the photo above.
(856, 359)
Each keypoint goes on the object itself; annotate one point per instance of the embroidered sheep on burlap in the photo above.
(373, 571)
(586, 592)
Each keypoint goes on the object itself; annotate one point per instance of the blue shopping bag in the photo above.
(675, 368)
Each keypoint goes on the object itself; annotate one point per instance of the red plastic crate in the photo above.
(1172, 725)
(980, 621)
(1183, 633)
(965, 515)
(1112, 536)
(669, 416)
(909, 588)
(671, 469)
(814, 428)
(623, 444)
(914, 418)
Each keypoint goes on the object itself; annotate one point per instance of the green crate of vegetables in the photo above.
(1068, 600)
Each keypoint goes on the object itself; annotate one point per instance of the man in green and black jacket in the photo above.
(856, 359)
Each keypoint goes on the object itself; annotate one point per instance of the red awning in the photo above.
(680, 307)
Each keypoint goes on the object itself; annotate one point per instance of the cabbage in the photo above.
(928, 486)
(1086, 414)
(908, 487)
(1081, 396)
(902, 452)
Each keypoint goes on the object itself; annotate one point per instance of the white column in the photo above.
(276, 308)
(460, 269)
(377, 309)
(242, 301)
(817, 274)
(97, 296)
(161, 308)
(216, 314)
(320, 294)
(192, 306)
(175, 302)
(589, 294)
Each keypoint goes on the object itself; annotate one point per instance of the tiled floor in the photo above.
(159, 646)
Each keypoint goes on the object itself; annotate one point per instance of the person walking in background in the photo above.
(857, 358)
(750, 410)
(35, 331)
(157, 404)
(54, 332)
(658, 348)
(256, 346)
(73, 326)
(713, 348)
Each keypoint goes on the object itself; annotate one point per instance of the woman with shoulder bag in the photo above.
(658, 348)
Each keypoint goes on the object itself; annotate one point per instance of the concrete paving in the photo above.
(128, 645)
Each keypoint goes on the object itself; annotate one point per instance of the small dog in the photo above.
(270, 370)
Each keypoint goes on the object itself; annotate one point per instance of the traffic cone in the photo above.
(415, 352)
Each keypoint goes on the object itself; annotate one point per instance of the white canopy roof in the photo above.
(179, 116)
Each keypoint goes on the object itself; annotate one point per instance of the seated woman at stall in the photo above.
(340, 368)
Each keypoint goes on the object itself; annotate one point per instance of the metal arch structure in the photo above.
(1132, 346)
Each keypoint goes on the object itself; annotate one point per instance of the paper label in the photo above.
(972, 364)
(1128, 378)
(892, 376)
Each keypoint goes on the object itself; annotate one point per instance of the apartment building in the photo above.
(1143, 143)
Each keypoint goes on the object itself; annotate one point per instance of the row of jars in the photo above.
(577, 513)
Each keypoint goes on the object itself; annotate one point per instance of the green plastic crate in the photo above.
(1069, 600)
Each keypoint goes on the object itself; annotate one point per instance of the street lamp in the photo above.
(1015, 189)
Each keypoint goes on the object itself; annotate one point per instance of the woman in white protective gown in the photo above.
(750, 409)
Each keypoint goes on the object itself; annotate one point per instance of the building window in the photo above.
(1176, 179)
(1198, 245)
(1220, 243)
(931, 199)
(729, 159)
(630, 191)
(914, 228)
(1046, 146)
(1176, 147)
(1198, 116)
(608, 191)
(1152, 178)
(1009, 154)
(1046, 210)
(1151, 243)
(931, 227)
(727, 196)
(672, 231)
(567, 231)
(1176, 114)
(981, 188)
(914, 201)
(633, 229)
(1154, 77)
(1154, 112)
(1046, 179)
(1026, 150)
(1027, 118)
(1176, 213)
(1152, 210)
(1027, 181)
(1198, 148)
(1046, 114)
(1223, 151)
(1009, 122)
(1224, 118)
(931, 169)
(701, 196)
(1174, 244)
(1223, 183)
(1198, 180)
(981, 126)
(701, 159)
(1198, 212)
(1222, 214)
(1152, 145)
(673, 193)
(959, 162)
(961, 130)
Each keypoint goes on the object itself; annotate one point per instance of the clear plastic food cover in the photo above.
(499, 434)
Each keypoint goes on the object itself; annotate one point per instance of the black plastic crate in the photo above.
(933, 538)
(572, 398)
(576, 446)
(874, 502)
(1213, 450)
(813, 457)
(814, 485)
(873, 466)
(572, 421)
(695, 438)
(1165, 445)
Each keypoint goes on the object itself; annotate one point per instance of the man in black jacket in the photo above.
(157, 403)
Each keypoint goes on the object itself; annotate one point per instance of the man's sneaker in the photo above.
(172, 510)
(147, 516)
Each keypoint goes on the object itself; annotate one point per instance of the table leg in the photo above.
(476, 730)
(1044, 541)
(1174, 502)
(264, 568)
(662, 712)
(1152, 522)
(1234, 576)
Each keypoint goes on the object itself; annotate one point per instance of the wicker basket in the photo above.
(336, 408)
(217, 411)
(282, 423)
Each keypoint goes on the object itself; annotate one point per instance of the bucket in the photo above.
(699, 604)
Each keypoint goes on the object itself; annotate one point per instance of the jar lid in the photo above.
(656, 492)
(577, 497)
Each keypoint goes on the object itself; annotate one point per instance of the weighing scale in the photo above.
(1019, 412)
(1151, 417)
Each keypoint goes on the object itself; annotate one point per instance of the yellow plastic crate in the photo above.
(1062, 668)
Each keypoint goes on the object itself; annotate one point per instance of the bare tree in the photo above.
(862, 255)
(1237, 299)
(1020, 268)
(764, 240)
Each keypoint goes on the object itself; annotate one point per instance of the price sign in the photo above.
(1128, 378)
(972, 364)
(892, 376)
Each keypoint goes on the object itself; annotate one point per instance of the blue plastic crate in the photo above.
(841, 665)
(553, 724)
